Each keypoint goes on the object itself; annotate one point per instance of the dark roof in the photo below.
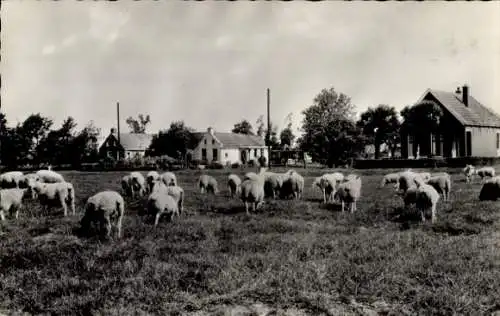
(132, 141)
(475, 114)
(232, 140)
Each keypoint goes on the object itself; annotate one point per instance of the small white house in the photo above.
(229, 147)
(128, 145)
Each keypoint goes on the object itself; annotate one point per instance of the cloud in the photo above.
(48, 49)
(106, 23)
(69, 41)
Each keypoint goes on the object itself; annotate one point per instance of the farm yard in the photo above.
(289, 258)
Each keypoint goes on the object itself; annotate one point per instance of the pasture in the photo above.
(289, 258)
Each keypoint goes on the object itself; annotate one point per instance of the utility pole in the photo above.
(268, 128)
(118, 127)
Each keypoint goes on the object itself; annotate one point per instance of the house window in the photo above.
(205, 141)
(215, 154)
(203, 154)
(262, 152)
(498, 140)
(255, 152)
(225, 155)
(213, 141)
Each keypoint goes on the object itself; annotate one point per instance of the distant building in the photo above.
(470, 128)
(228, 147)
(129, 146)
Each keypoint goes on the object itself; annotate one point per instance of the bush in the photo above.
(215, 165)
(262, 161)
(235, 165)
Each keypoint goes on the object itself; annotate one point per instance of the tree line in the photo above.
(331, 133)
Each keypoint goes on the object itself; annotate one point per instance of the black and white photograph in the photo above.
(250, 158)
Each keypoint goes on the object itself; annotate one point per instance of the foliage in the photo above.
(243, 127)
(272, 139)
(381, 126)
(286, 136)
(174, 142)
(139, 125)
(56, 147)
(261, 127)
(330, 134)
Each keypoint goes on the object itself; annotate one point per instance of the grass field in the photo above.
(290, 258)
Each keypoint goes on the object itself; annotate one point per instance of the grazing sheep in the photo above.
(406, 180)
(233, 183)
(169, 178)
(293, 185)
(160, 204)
(49, 176)
(127, 189)
(106, 208)
(485, 172)
(30, 177)
(174, 191)
(11, 200)
(490, 191)
(208, 184)
(60, 194)
(252, 191)
(11, 179)
(273, 183)
(390, 178)
(327, 183)
(151, 177)
(254, 176)
(410, 196)
(137, 183)
(442, 184)
(427, 197)
(349, 192)
(424, 175)
(469, 171)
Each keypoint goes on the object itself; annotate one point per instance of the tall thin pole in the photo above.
(118, 126)
(269, 128)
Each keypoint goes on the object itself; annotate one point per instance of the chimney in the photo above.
(113, 131)
(458, 92)
(465, 95)
(210, 130)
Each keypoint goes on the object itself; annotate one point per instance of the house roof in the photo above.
(233, 140)
(475, 114)
(132, 141)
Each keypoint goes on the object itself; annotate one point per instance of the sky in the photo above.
(210, 63)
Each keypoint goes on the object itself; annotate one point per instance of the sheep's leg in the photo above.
(422, 214)
(107, 224)
(246, 208)
(324, 196)
(343, 206)
(2, 215)
(157, 218)
(433, 214)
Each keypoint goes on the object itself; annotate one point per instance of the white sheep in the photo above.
(106, 207)
(137, 183)
(254, 176)
(406, 180)
(169, 178)
(469, 171)
(293, 185)
(272, 184)
(12, 199)
(160, 204)
(424, 175)
(151, 177)
(349, 192)
(252, 191)
(61, 194)
(427, 197)
(11, 179)
(234, 183)
(208, 184)
(49, 176)
(174, 191)
(485, 172)
(442, 184)
(327, 183)
(390, 178)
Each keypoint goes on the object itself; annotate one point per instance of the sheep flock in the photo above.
(164, 197)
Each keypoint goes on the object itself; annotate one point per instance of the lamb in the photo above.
(11, 179)
(11, 200)
(252, 191)
(106, 207)
(485, 172)
(427, 197)
(442, 184)
(208, 184)
(151, 177)
(60, 194)
(390, 178)
(328, 183)
(234, 183)
(160, 204)
(469, 171)
(349, 192)
(490, 190)
(49, 176)
(293, 185)
(169, 178)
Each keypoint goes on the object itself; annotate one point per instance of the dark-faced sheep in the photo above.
(61, 194)
(106, 208)
(293, 185)
(169, 178)
(233, 183)
(468, 172)
(427, 198)
(11, 179)
(151, 177)
(485, 172)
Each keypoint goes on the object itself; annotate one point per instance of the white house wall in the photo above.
(484, 141)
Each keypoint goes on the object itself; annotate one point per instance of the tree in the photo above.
(286, 136)
(173, 142)
(420, 121)
(261, 127)
(330, 133)
(272, 138)
(56, 148)
(243, 127)
(381, 126)
(85, 145)
(138, 126)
